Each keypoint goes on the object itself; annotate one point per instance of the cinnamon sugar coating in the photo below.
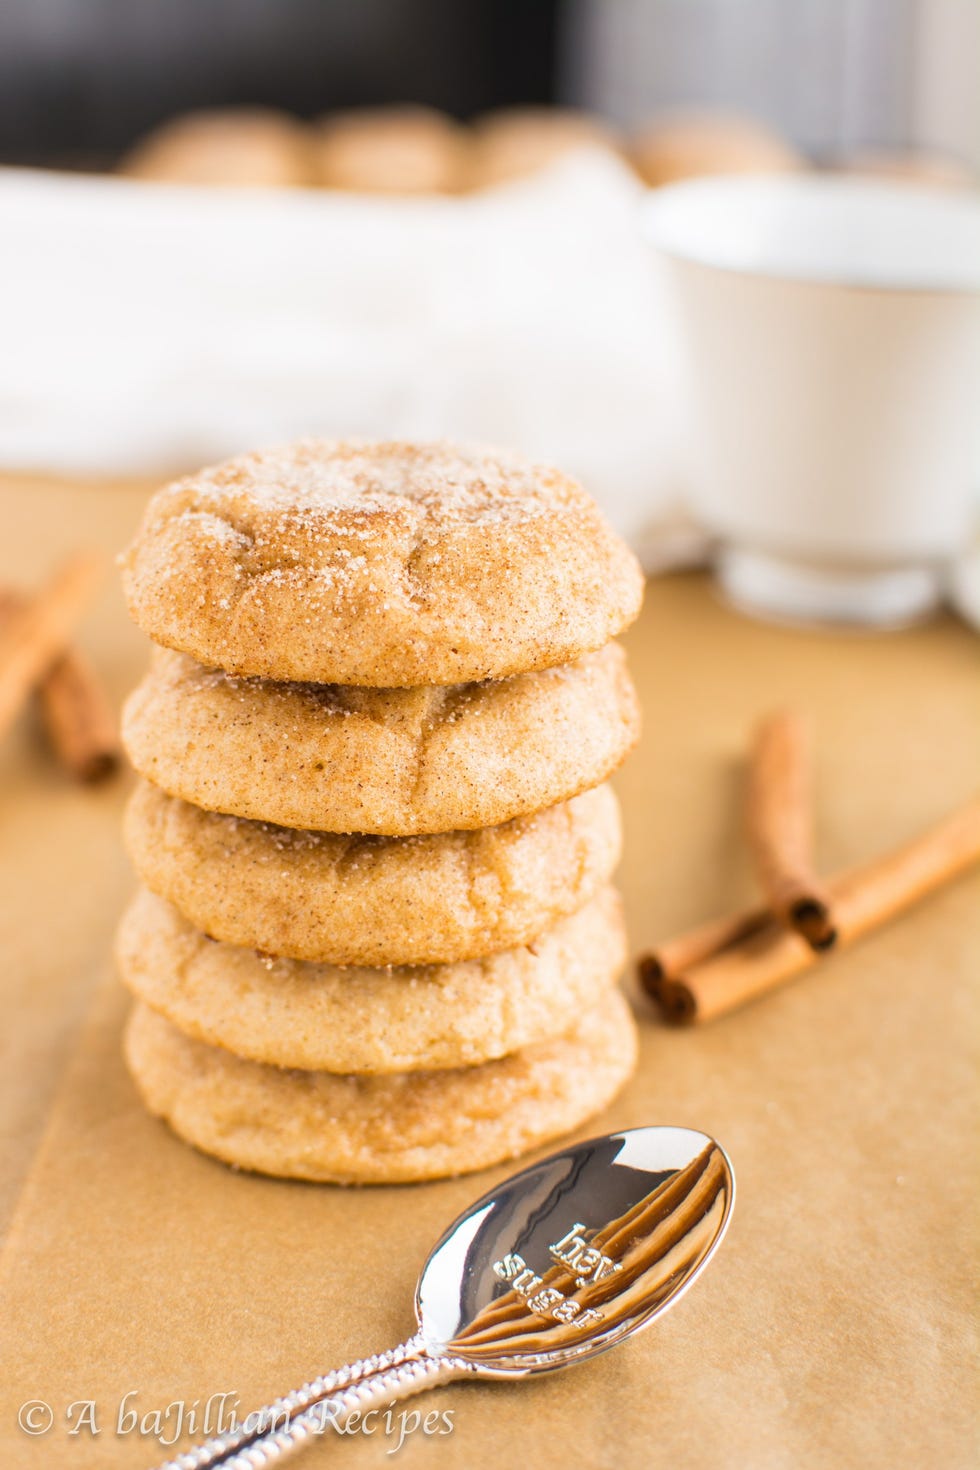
(383, 1130)
(397, 762)
(290, 1013)
(385, 565)
(355, 900)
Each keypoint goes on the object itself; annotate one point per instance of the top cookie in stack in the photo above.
(385, 565)
(408, 643)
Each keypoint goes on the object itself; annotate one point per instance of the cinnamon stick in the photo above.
(778, 818)
(678, 955)
(37, 631)
(79, 719)
(75, 710)
(864, 898)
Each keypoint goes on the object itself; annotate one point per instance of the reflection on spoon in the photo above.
(632, 1263)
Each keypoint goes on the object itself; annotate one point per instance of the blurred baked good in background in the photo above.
(410, 149)
(517, 141)
(392, 150)
(255, 146)
(398, 149)
(417, 150)
(687, 145)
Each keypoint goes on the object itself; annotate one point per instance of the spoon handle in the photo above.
(285, 1410)
(333, 1410)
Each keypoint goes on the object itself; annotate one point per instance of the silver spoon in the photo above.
(559, 1263)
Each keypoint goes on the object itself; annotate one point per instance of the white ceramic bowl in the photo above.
(831, 331)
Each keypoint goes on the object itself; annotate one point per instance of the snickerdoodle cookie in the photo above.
(290, 1013)
(515, 142)
(394, 1129)
(355, 900)
(240, 146)
(389, 761)
(392, 150)
(387, 564)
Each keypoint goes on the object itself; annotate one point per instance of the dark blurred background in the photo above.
(81, 79)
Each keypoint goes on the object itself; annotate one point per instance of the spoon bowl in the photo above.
(575, 1253)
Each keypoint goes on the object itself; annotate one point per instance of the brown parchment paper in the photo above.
(833, 1329)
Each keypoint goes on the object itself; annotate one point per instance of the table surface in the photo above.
(834, 1328)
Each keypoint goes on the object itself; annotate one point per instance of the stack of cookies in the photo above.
(376, 939)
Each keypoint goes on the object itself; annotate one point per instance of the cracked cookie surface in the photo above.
(361, 900)
(400, 1128)
(290, 1013)
(398, 762)
(386, 565)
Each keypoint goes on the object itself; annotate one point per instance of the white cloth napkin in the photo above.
(152, 328)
